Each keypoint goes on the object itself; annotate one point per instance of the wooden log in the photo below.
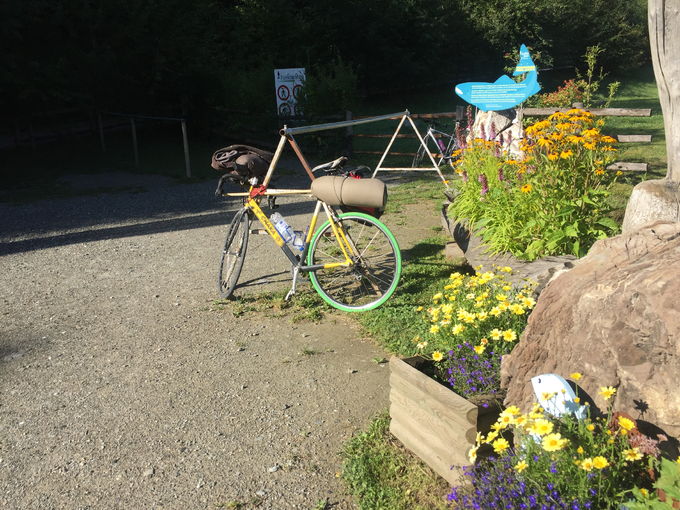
(134, 140)
(610, 112)
(457, 404)
(633, 138)
(384, 136)
(628, 167)
(410, 154)
(664, 40)
(433, 412)
(419, 441)
(185, 143)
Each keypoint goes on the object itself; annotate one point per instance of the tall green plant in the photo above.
(329, 89)
(590, 83)
(549, 201)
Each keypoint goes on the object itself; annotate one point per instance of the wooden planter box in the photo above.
(432, 421)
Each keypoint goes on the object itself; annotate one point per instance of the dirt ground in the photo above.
(123, 386)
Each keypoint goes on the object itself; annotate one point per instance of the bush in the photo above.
(477, 319)
(550, 201)
(560, 462)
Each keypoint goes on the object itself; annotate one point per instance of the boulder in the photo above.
(615, 318)
(502, 126)
(652, 200)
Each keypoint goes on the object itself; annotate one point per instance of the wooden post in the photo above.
(134, 141)
(349, 135)
(664, 38)
(187, 162)
(101, 131)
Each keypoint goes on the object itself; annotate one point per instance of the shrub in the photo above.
(563, 97)
(475, 320)
(560, 462)
(550, 201)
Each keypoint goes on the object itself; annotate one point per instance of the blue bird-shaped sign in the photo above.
(504, 93)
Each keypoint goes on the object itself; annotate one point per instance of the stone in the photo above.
(453, 252)
(652, 200)
(502, 126)
(615, 318)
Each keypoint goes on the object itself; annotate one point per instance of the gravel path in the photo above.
(123, 386)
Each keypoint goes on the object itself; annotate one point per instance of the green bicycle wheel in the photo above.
(373, 277)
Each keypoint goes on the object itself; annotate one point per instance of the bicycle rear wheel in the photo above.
(234, 253)
(373, 277)
(420, 154)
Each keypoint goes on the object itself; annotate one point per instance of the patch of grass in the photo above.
(306, 351)
(305, 305)
(381, 473)
(395, 324)
(640, 91)
(418, 189)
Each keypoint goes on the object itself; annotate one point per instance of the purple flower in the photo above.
(485, 184)
(501, 177)
(465, 176)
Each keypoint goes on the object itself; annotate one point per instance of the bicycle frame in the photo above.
(297, 260)
(431, 132)
(255, 194)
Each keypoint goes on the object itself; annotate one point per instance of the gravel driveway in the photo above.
(122, 386)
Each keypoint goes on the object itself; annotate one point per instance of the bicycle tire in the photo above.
(420, 154)
(231, 261)
(377, 264)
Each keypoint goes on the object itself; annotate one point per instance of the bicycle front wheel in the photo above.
(376, 269)
(234, 253)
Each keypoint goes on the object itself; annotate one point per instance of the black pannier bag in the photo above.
(243, 163)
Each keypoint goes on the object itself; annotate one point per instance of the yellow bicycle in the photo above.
(352, 259)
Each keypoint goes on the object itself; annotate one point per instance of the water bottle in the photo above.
(299, 239)
(284, 230)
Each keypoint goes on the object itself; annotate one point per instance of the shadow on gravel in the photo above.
(197, 210)
(88, 236)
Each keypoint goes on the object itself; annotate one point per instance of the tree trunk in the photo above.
(660, 199)
(664, 38)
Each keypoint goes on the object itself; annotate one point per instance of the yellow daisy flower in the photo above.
(607, 392)
(600, 463)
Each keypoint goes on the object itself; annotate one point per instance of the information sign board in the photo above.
(288, 83)
(504, 93)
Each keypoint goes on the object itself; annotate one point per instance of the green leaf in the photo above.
(608, 222)
(571, 231)
(588, 200)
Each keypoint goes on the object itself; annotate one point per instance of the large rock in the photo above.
(502, 126)
(652, 200)
(615, 318)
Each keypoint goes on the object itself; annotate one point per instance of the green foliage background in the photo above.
(200, 58)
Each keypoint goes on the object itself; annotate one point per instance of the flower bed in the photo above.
(550, 201)
(474, 321)
(562, 462)
(444, 399)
